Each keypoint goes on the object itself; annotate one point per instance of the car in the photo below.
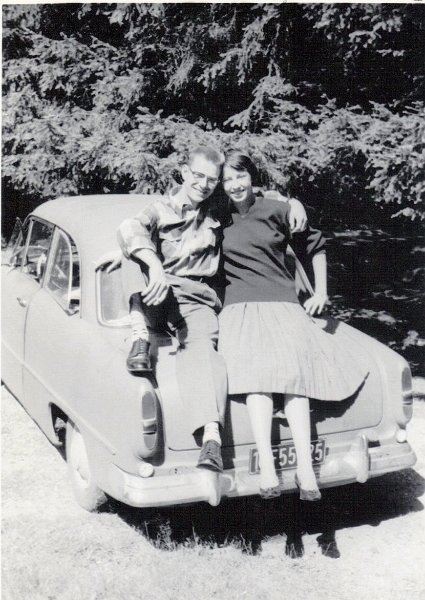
(65, 338)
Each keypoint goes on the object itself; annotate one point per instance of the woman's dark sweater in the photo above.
(254, 248)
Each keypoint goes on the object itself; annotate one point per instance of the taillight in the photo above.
(407, 392)
(149, 420)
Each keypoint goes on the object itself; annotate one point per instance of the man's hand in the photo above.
(297, 216)
(157, 288)
(315, 304)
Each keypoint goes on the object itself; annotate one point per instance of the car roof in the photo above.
(92, 221)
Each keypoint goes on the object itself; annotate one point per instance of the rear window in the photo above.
(112, 305)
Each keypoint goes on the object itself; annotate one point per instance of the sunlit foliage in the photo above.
(328, 98)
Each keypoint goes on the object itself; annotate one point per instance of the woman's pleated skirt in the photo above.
(275, 347)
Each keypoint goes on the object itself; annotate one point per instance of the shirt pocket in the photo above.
(170, 242)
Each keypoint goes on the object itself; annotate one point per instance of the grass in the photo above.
(53, 550)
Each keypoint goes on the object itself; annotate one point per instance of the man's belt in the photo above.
(199, 278)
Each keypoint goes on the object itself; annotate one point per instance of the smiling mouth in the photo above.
(202, 194)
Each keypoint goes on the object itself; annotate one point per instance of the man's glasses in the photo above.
(197, 176)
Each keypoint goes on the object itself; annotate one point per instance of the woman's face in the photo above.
(237, 184)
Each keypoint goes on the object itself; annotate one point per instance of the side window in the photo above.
(63, 277)
(14, 251)
(35, 258)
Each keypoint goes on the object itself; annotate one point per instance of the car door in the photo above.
(52, 335)
(21, 280)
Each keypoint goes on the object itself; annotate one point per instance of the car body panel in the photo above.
(352, 414)
(73, 364)
(18, 291)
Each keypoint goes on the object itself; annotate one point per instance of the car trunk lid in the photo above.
(362, 410)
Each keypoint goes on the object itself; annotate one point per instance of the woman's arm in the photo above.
(317, 302)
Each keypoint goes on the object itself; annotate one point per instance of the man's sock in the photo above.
(211, 432)
(137, 319)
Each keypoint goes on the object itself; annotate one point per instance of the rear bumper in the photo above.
(387, 460)
(357, 463)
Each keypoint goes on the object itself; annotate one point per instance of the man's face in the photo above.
(200, 179)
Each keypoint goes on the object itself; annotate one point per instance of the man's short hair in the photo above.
(209, 153)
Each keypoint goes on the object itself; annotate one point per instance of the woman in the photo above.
(269, 341)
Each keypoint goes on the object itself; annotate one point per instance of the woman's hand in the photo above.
(316, 303)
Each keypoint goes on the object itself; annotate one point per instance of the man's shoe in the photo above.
(210, 457)
(138, 360)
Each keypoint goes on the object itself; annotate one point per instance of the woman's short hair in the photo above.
(242, 162)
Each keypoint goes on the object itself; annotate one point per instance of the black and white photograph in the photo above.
(213, 301)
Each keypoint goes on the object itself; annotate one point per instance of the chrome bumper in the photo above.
(359, 463)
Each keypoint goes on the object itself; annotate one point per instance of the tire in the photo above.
(88, 495)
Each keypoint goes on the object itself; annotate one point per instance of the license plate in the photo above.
(285, 456)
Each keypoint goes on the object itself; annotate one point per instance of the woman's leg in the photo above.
(297, 412)
(260, 410)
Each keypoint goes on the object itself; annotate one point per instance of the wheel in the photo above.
(86, 492)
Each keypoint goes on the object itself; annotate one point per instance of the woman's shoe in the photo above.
(271, 492)
(309, 495)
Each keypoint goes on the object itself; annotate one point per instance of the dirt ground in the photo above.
(54, 550)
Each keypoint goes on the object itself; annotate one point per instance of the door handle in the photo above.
(22, 301)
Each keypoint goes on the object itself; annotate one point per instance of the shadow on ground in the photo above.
(246, 522)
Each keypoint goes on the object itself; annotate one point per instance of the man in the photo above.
(176, 242)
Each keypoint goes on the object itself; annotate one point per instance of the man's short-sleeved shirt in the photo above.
(186, 239)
